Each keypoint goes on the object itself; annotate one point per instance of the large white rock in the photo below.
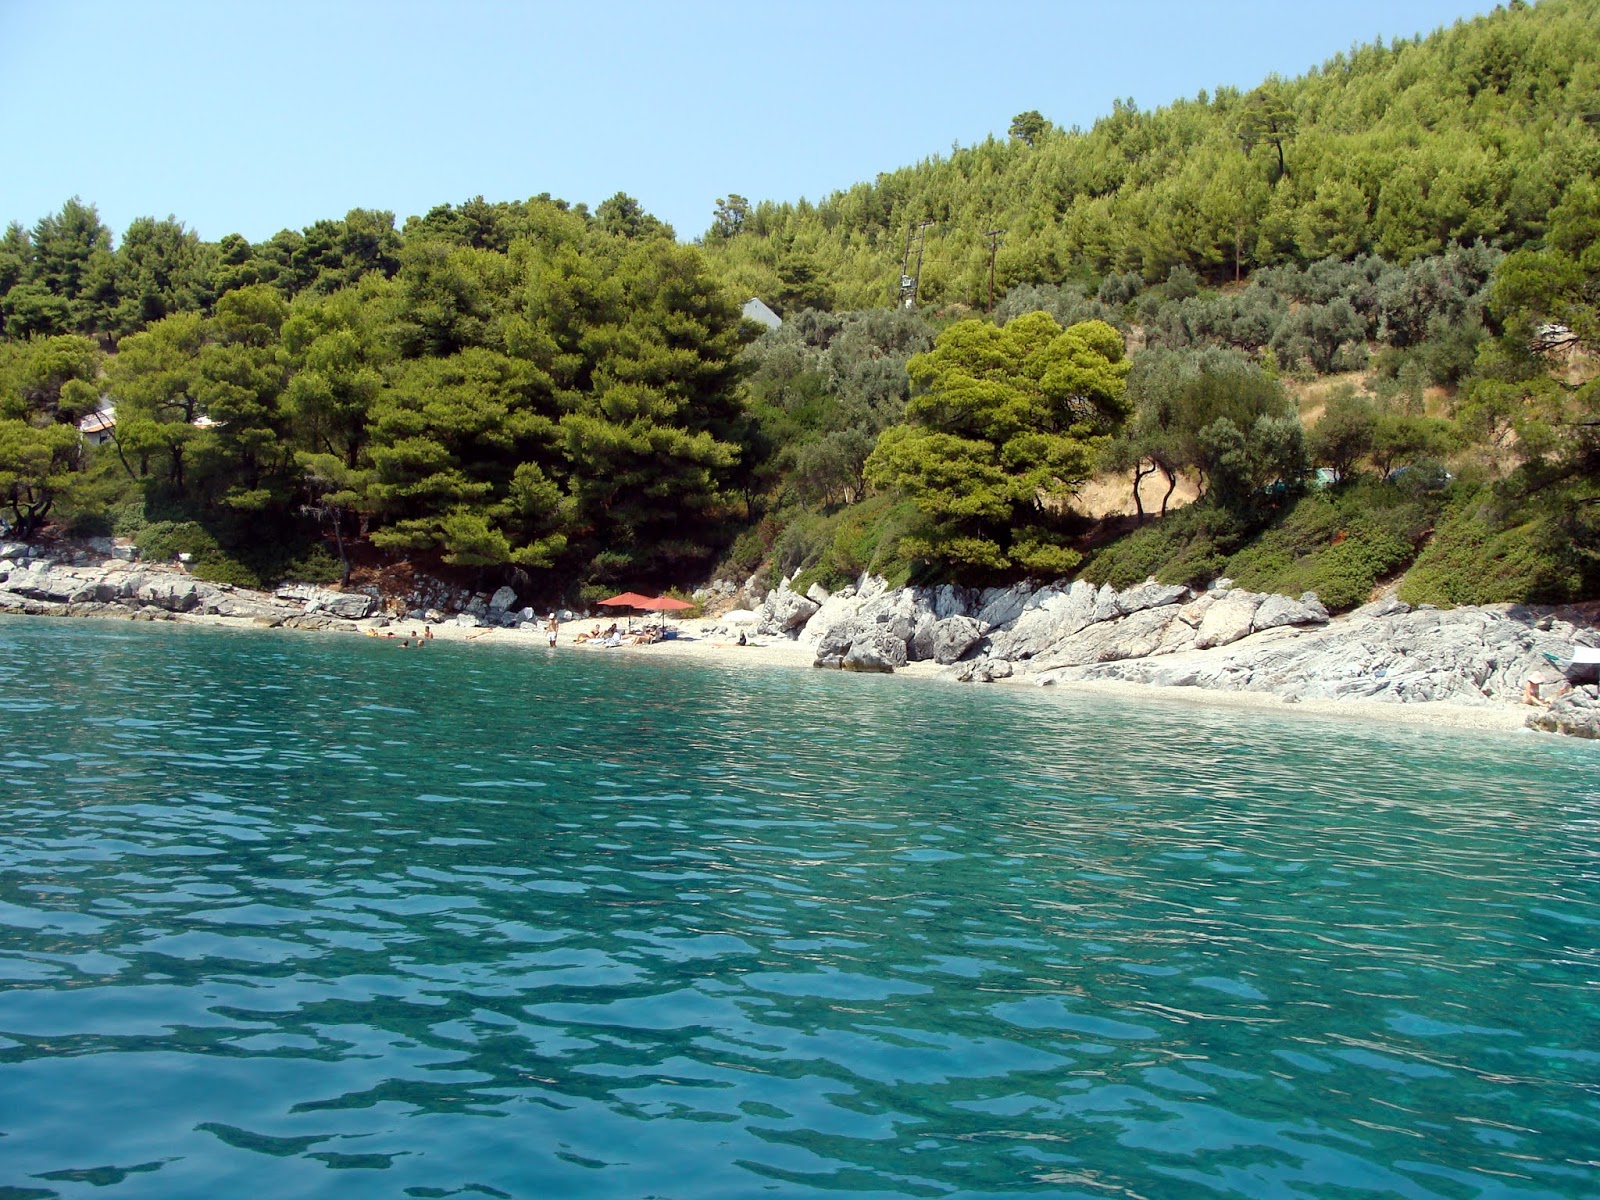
(171, 593)
(1275, 611)
(785, 612)
(947, 600)
(350, 606)
(1048, 617)
(1151, 594)
(945, 640)
(1135, 636)
(876, 648)
(984, 670)
(999, 607)
(1229, 618)
(53, 584)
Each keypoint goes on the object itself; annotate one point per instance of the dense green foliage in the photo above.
(507, 387)
(532, 393)
(1006, 424)
(821, 388)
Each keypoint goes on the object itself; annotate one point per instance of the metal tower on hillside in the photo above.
(915, 239)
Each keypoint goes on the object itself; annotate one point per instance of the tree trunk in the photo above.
(338, 540)
(1172, 486)
(115, 441)
(1138, 478)
(30, 516)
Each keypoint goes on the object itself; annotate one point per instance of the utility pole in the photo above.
(994, 245)
(909, 277)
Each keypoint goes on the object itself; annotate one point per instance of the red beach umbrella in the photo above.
(666, 604)
(627, 600)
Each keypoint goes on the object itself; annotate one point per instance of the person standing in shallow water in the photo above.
(551, 627)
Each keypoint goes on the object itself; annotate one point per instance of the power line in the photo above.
(994, 245)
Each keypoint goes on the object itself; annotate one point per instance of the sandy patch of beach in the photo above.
(696, 641)
(1499, 718)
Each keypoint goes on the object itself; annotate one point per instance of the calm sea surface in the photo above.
(288, 915)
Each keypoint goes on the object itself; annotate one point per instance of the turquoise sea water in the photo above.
(303, 916)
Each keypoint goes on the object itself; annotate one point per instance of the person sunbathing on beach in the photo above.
(1531, 692)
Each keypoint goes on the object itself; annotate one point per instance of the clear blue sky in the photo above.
(251, 116)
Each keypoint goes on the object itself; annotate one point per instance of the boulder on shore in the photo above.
(1576, 714)
(785, 611)
(1225, 639)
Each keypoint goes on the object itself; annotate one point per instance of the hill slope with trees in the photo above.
(1399, 150)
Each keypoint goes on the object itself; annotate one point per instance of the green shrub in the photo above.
(1337, 545)
(100, 500)
(743, 557)
(221, 568)
(697, 610)
(250, 565)
(88, 524)
(590, 594)
(127, 517)
(609, 566)
(1344, 575)
(1473, 559)
(863, 538)
(317, 565)
(805, 536)
(1187, 546)
(165, 540)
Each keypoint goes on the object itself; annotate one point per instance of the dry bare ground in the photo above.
(1112, 495)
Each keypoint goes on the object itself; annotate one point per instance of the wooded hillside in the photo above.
(568, 400)
(1399, 150)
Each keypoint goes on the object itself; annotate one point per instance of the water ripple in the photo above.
(586, 926)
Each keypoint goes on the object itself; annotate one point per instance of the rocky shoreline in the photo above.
(1221, 641)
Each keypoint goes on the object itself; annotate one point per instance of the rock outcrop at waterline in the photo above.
(98, 581)
(122, 589)
(1223, 639)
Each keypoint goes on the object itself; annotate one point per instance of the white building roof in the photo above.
(755, 310)
(102, 421)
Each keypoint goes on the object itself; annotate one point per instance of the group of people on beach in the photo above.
(610, 636)
(413, 640)
(613, 635)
